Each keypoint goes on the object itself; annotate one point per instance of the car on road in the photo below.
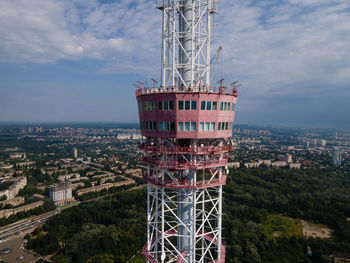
(6, 251)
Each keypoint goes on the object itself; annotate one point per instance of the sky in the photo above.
(76, 60)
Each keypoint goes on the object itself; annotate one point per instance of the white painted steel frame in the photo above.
(176, 59)
(163, 223)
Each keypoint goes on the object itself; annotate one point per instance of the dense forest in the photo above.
(113, 229)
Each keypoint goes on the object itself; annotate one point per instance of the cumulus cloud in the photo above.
(287, 43)
(266, 44)
(51, 30)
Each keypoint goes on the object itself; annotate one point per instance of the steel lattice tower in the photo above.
(187, 125)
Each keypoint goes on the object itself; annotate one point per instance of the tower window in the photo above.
(187, 105)
(181, 105)
(193, 105)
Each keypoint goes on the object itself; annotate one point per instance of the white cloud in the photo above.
(286, 44)
(51, 30)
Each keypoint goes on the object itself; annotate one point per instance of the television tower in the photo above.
(187, 125)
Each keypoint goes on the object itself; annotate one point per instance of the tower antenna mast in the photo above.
(187, 125)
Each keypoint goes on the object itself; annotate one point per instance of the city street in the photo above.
(20, 227)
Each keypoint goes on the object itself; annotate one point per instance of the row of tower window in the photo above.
(186, 105)
(186, 126)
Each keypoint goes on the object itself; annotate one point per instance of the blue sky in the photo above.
(76, 60)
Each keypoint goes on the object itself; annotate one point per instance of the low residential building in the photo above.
(9, 212)
(133, 171)
(295, 165)
(18, 184)
(107, 186)
(104, 179)
(279, 164)
(75, 186)
(286, 158)
(106, 174)
(18, 156)
(79, 179)
(341, 257)
(68, 176)
(252, 165)
(25, 164)
(15, 201)
(265, 162)
(6, 166)
(122, 136)
(39, 196)
(234, 165)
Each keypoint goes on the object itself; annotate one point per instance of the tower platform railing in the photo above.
(182, 165)
(212, 90)
(187, 150)
(183, 184)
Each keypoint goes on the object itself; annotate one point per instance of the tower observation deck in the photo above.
(187, 124)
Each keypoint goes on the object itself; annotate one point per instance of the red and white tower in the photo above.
(187, 124)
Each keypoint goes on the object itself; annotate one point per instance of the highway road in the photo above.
(22, 226)
(18, 228)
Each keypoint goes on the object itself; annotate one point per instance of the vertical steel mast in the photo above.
(186, 43)
(187, 124)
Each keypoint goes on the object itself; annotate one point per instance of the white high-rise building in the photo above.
(337, 156)
(62, 193)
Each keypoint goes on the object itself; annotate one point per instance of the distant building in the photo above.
(286, 158)
(295, 165)
(123, 136)
(316, 143)
(265, 162)
(84, 159)
(252, 165)
(15, 201)
(68, 176)
(98, 188)
(18, 156)
(9, 212)
(129, 136)
(18, 184)
(340, 257)
(39, 196)
(25, 164)
(75, 152)
(337, 156)
(62, 193)
(136, 136)
(234, 165)
(323, 143)
(6, 166)
(279, 164)
(75, 186)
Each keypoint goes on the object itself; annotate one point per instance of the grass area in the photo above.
(282, 226)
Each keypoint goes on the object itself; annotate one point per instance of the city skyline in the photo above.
(75, 61)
